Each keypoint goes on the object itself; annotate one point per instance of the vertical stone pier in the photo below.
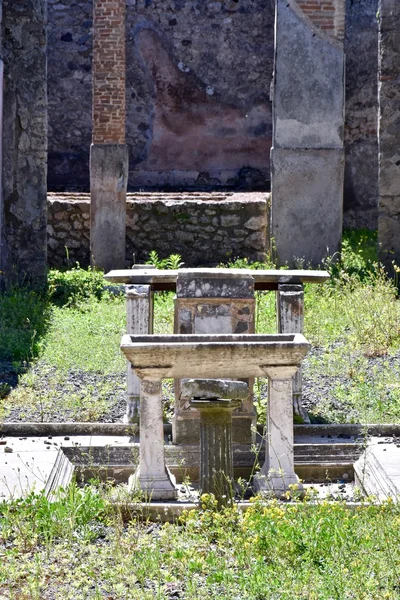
(307, 157)
(23, 203)
(152, 476)
(290, 319)
(389, 132)
(139, 320)
(277, 472)
(108, 152)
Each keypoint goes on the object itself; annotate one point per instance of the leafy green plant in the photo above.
(72, 287)
(173, 261)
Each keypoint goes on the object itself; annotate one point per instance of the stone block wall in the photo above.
(205, 229)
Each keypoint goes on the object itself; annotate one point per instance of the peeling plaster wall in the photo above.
(198, 79)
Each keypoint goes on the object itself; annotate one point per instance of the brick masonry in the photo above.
(327, 15)
(109, 79)
(205, 229)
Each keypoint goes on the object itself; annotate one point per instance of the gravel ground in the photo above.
(82, 395)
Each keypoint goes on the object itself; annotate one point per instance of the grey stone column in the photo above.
(389, 132)
(152, 476)
(277, 473)
(216, 459)
(290, 319)
(307, 157)
(108, 184)
(23, 236)
(139, 320)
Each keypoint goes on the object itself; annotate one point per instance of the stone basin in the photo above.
(213, 356)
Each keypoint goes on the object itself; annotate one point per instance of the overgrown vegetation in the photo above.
(70, 337)
(78, 547)
(65, 346)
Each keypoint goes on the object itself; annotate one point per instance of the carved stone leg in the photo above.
(139, 320)
(152, 476)
(277, 473)
(290, 319)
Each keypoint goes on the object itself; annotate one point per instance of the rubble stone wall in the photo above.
(24, 165)
(205, 229)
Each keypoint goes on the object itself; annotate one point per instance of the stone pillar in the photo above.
(389, 132)
(109, 152)
(152, 475)
(307, 157)
(277, 473)
(216, 459)
(23, 206)
(213, 303)
(139, 320)
(290, 319)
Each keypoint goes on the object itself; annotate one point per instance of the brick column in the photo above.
(389, 132)
(307, 158)
(108, 153)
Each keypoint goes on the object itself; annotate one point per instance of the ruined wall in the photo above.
(205, 230)
(69, 93)
(24, 207)
(361, 172)
(219, 56)
(198, 78)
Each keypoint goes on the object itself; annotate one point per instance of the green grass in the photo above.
(352, 322)
(77, 547)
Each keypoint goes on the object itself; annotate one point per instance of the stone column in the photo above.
(139, 320)
(109, 152)
(152, 475)
(277, 473)
(389, 132)
(23, 206)
(216, 459)
(307, 157)
(290, 319)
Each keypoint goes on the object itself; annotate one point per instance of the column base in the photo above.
(276, 483)
(157, 487)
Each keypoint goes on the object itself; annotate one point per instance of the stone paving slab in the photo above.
(29, 464)
(378, 469)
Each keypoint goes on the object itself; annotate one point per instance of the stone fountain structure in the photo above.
(155, 357)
